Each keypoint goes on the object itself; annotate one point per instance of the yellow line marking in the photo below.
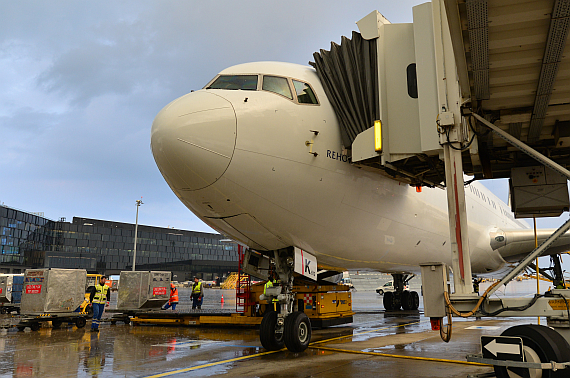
(399, 356)
(173, 372)
(197, 367)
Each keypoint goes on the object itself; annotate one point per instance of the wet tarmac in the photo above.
(358, 349)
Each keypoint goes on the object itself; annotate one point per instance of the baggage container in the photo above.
(5, 289)
(143, 290)
(11, 288)
(53, 290)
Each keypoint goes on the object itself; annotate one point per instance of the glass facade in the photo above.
(20, 231)
(32, 241)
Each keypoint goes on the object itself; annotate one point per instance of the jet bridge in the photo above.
(475, 87)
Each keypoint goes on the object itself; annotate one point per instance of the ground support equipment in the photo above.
(8, 308)
(34, 321)
(325, 306)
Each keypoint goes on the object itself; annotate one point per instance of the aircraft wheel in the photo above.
(297, 332)
(416, 300)
(406, 300)
(388, 301)
(541, 344)
(392, 301)
(80, 322)
(267, 335)
(35, 326)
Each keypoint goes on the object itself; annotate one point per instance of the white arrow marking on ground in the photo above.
(494, 347)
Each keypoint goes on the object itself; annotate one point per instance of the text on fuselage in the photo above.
(336, 156)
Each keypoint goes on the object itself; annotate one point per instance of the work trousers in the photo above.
(196, 303)
(98, 309)
(173, 305)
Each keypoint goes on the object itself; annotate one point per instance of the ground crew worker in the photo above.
(99, 299)
(197, 294)
(275, 301)
(173, 301)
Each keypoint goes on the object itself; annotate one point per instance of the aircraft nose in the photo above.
(193, 140)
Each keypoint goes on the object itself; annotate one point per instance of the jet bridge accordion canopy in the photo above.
(349, 74)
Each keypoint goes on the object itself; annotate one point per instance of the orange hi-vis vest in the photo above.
(173, 296)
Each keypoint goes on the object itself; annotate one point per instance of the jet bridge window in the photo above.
(305, 94)
(233, 82)
(277, 85)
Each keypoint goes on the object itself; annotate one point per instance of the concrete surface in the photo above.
(151, 351)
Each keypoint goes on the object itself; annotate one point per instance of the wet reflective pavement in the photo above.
(156, 351)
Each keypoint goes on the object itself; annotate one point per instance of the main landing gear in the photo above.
(400, 298)
(283, 323)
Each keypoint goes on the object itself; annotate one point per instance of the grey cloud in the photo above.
(88, 79)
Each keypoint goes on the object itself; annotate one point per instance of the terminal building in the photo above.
(29, 240)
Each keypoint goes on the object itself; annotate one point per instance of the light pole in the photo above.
(139, 202)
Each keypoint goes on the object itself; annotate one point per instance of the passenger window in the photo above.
(277, 85)
(234, 82)
(305, 94)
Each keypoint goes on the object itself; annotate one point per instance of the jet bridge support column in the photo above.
(460, 254)
(451, 136)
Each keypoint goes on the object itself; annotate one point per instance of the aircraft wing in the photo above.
(513, 245)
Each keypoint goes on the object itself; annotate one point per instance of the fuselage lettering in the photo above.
(336, 156)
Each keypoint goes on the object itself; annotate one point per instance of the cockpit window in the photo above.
(277, 85)
(305, 94)
(243, 82)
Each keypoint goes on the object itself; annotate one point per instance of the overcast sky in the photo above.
(81, 82)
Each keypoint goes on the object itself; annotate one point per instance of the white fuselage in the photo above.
(243, 162)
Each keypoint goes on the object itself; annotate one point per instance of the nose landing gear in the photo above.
(286, 326)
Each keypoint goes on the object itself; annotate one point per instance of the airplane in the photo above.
(257, 155)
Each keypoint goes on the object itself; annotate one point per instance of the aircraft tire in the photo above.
(297, 332)
(267, 335)
(410, 300)
(541, 344)
(416, 300)
(388, 301)
(406, 300)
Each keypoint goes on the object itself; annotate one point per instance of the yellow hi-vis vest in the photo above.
(100, 293)
(269, 284)
(197, 288)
